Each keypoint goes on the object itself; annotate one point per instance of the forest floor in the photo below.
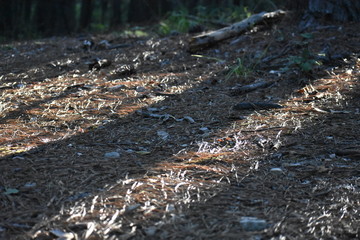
(147, 144)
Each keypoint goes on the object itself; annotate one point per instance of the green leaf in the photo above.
(307, 35)
(10, 191)
(306, 66)
(143, 152)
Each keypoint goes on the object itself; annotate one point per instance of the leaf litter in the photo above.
(147, 144)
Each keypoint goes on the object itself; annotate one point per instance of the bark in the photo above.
(164, 6)
(27, 11)
(86, 14)
(69, 15)
(116, 13)
(104, 4)
(6, 22)
(140, 11)
(14, 19)
(64, 17)
(44, 17)
(339, 10)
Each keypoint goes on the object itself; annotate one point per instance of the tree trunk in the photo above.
(116, 13)
(339, 10)
(104, 9)
(6, 23)
(68, 16)
(27, 12)
(164, 6)
(86, 14)
(63, 17)
(13, 18)
(140, 11)
(44, 17)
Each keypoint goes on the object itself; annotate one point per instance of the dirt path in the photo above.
(147, 144)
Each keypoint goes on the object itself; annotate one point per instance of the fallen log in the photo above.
(207, 39)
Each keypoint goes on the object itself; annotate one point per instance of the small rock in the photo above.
(97, 64)
(129, 150)
(253, 224)
(62, 235)
(87, 44)
(19, 85)
(189, 119)
(112, 155)
(305, 182)
(140, 89)
(204, 130)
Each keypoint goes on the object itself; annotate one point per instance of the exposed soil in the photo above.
(147, 145)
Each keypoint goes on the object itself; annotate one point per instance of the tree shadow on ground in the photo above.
(178, 142)
(310, 182)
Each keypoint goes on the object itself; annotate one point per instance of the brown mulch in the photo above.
(188, 165)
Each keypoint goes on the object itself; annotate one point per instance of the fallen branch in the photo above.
(208, 39)
(256, 106)
(238, 90)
